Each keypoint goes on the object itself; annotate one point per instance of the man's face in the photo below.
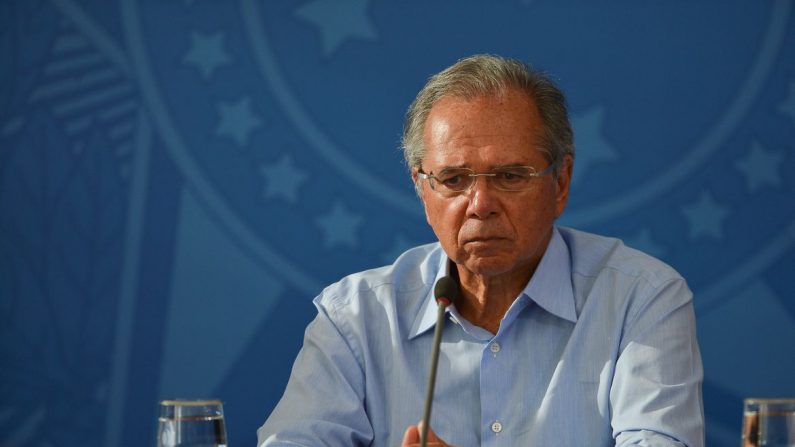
(484, 230)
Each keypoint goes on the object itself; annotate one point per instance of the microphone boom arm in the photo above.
(437, 341)
(446, 292)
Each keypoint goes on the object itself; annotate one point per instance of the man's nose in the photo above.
(482, 198)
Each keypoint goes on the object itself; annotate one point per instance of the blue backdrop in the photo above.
(178, 180)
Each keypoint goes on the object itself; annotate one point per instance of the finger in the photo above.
(431, 435)
(411, 436)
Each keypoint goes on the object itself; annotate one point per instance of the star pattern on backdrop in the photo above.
(339, 226)
(760, 167)
(283, 179)
(589, 134)
(705, 217)
(788, 106)
(207, 53)
(338, 22)
(237, 120)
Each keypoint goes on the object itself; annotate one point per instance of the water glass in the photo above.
(191, 423)
(769, 422)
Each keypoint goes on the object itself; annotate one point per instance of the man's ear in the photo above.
(563, 184)
(418, 187)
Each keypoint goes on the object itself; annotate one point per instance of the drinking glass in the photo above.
(191, 423)
(769, 422)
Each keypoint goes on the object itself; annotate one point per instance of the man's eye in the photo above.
(510, 176)
(507, 175)
(452, 180)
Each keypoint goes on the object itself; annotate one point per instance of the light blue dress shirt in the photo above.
(599, 349)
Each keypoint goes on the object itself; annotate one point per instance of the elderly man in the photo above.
(559, 337)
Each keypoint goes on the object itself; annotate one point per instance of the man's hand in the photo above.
(412, 437)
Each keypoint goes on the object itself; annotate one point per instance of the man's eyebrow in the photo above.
(491, 168)
(510, 165)
(449, 167)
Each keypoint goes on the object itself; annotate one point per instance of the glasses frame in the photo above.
(431, 178)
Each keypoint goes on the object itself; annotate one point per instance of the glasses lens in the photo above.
(513, 178)
(454, 180)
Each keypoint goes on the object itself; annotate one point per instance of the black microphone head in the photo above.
(446, 290)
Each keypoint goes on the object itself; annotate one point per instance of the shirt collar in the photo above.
(426, 318)
(550, 287)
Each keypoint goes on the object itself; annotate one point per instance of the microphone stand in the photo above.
(437, 340)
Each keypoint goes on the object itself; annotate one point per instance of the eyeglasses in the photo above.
(452, 181)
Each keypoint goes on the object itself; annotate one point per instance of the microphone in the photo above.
(446, 292)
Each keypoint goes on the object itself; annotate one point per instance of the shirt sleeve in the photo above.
(323, 404)
(656, 393)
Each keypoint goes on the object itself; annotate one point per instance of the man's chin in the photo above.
(489, 265)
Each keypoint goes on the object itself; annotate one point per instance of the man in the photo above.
(559, 338)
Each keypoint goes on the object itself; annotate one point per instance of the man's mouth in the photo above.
(484, 239)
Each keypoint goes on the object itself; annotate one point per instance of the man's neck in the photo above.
(485, 299)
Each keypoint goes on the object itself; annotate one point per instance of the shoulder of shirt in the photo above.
(593, 255)
(412, 274)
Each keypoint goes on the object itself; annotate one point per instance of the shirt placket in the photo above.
(493, 394)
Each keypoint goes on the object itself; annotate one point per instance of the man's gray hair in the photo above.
(491, 75)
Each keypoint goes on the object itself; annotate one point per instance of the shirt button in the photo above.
(495, 347)
(496, 427)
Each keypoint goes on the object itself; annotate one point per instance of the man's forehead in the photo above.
(454, 116)
(485, 159)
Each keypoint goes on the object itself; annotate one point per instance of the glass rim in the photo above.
(190, 402)
(769, 400)
(447, 191)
